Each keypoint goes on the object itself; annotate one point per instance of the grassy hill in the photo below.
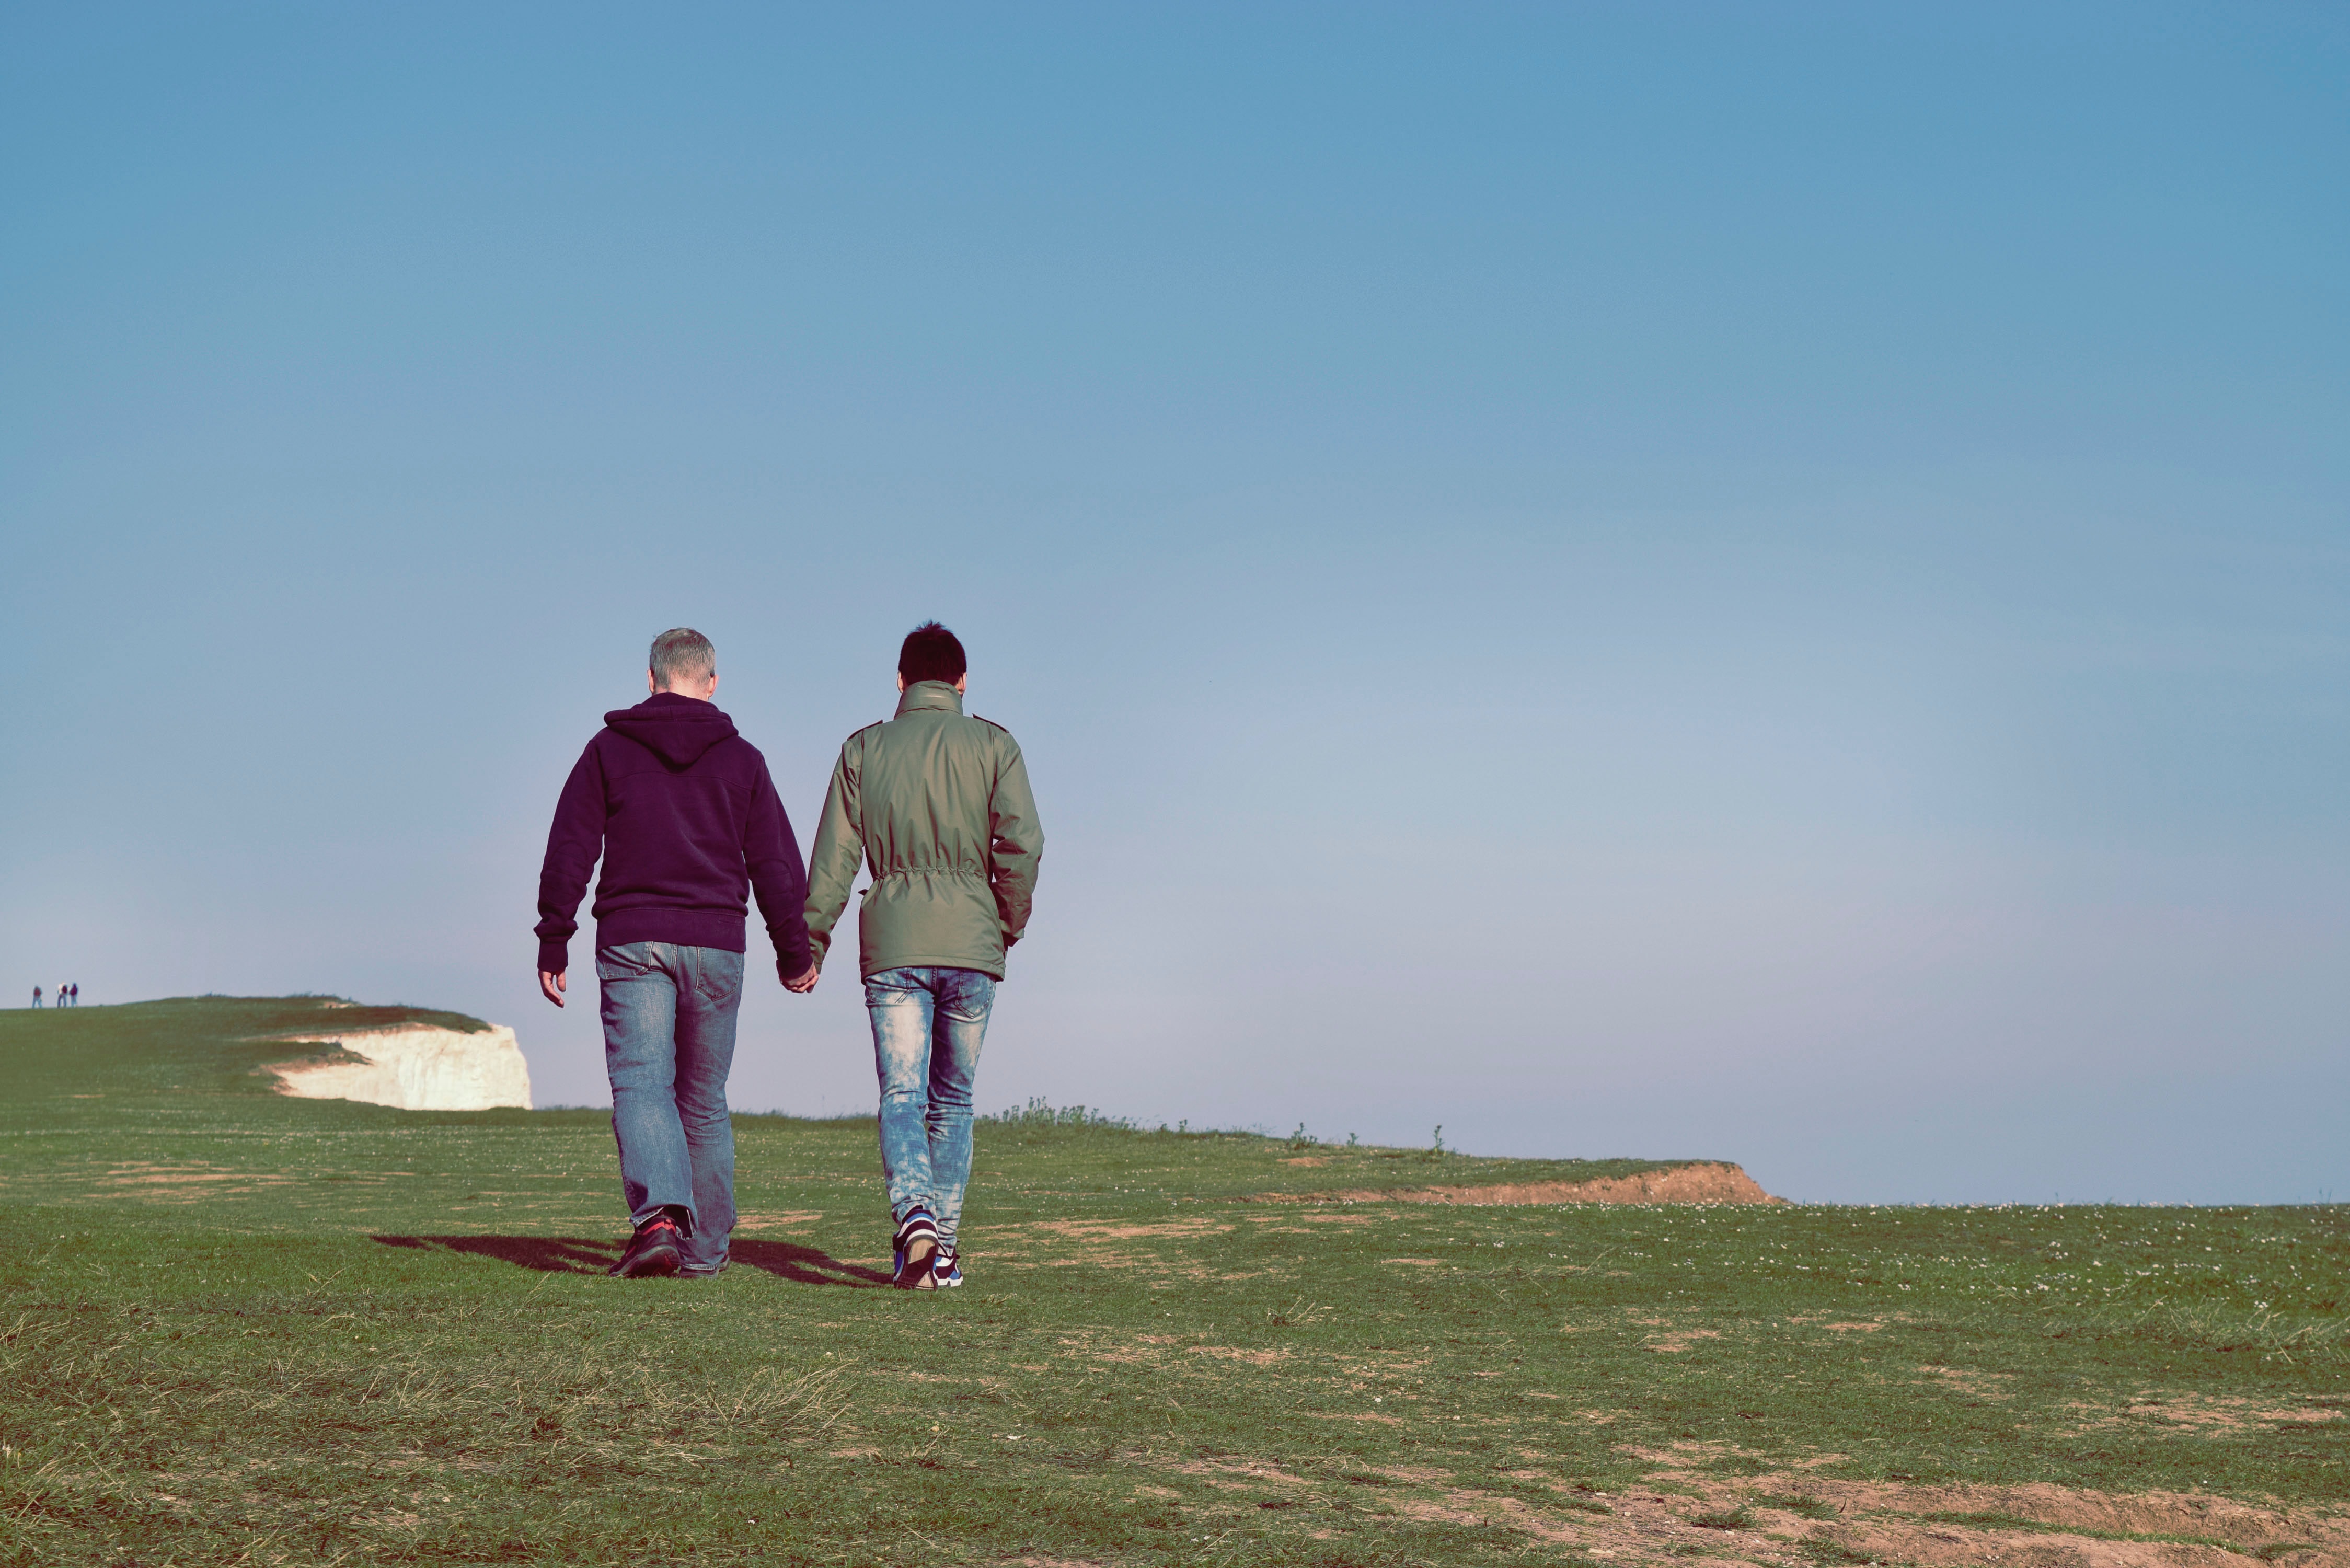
(237, 1327)
(107, 1087)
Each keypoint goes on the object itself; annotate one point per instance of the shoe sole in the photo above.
(921, 1253)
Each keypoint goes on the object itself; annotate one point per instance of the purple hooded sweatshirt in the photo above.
(688, 821)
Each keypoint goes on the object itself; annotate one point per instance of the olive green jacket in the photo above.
(938, 804)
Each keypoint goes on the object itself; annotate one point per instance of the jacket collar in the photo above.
(940, 695)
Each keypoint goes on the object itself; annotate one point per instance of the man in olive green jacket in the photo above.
(938, 805)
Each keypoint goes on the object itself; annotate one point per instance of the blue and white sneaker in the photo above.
(945, 1272)
(913, 1251)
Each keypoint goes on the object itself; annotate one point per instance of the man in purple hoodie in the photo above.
(687, 821)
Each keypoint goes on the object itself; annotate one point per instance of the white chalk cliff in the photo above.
(416, 1068)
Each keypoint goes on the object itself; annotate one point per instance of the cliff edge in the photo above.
(414, 1067)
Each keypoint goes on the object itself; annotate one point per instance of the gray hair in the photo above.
(681, 653)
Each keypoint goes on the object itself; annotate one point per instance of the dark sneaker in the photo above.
(652, 1251)
(915, 1248)
(945, 1273)
(687, 1272)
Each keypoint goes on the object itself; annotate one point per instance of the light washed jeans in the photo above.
(927, 1028)
(669, 1040)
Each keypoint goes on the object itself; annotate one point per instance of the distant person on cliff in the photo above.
(37, 996)
(688, 822)
(938, 805)
(76, 989)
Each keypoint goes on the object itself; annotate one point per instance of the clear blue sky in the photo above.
(1758, 582)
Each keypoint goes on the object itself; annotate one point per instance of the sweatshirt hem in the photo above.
(685, 928)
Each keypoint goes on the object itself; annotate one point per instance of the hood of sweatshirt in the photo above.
(675, 729)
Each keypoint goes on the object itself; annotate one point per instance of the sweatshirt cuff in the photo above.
(553, 958)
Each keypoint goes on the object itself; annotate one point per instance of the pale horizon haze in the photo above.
(1688, 580)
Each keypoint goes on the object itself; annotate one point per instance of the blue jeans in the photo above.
(927, 1027)
(669, 1041)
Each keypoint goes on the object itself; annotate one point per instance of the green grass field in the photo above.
(241, 1328)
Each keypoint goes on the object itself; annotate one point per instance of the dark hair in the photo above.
(931, 653)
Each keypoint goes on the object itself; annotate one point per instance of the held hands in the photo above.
(803, 984)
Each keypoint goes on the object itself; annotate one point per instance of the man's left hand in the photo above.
(803, 984)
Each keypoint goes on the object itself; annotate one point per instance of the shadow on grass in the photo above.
(569, 1255)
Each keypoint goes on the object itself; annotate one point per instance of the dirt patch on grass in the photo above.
(2059, 1527)
(2197, 1413)
(1677, 1334)
(2036, 1524)
(1973, 1385)
(1782, 1520)
(1705, 1182)
(189, 1183)
(1114, 1230)
(1456, 1506)
(1231, 1472)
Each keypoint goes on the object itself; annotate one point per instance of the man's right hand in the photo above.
(551, 982)
(803, 984)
